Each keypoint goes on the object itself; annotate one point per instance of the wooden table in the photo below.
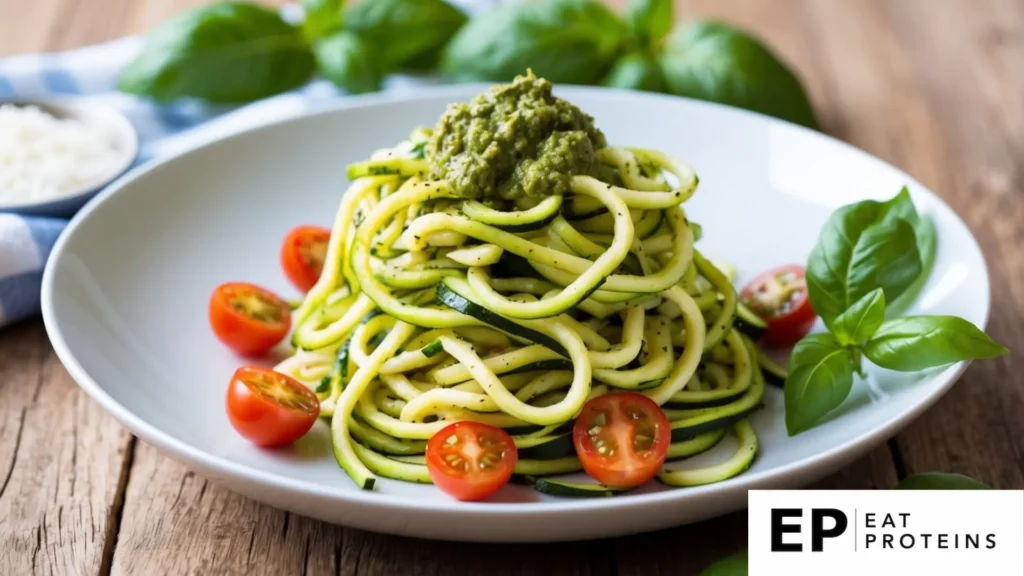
(934, 86)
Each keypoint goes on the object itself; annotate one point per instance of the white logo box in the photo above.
(926, 532)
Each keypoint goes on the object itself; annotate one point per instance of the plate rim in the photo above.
(190, 455)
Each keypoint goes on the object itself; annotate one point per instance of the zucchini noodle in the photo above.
(433, 308)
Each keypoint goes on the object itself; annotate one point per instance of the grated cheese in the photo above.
(44, 158)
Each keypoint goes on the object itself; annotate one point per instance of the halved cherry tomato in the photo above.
(249, 319)
(779, 296)
(621, 438)
(303, 253)
(469, 460)
(268, 408)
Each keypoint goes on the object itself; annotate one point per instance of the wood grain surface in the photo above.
(935, 87)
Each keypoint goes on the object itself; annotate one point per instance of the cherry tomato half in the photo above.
(469, 460)
(268, 408)
(247, 318)
(303, 253)
(621, 438)
(779, 296)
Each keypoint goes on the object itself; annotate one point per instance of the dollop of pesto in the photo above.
(515, 140)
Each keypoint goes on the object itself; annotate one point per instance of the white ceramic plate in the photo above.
(125, 296)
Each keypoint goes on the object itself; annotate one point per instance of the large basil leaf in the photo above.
(941, 481)
(349, 62)
(860, 321)
(636, 71)
(855, 254)
(408, 33)
(648, 20)
(228, 52)
(322, 17)
(734, 565)
(902, 207)
(914, 343)
(712, 61)
(820, 378)
(564, 41)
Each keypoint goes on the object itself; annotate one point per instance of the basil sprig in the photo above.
(343, 59)
(233, 51)
(229, 52)
(868, 255)
(322, 17)
(404, 34)
(713, 61)
(564, 41)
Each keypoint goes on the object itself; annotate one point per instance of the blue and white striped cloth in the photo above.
(91, 73)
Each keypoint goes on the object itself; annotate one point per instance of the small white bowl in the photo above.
(126, 141)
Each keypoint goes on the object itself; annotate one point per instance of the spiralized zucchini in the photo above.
(433, 309)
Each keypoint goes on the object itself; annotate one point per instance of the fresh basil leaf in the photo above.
(927, 244)
(228, 52)
(408, 33)
(734, 565)
(322, 17)
(349, 62)
(712, 61)
(899, 207)
(913, 343)
(941, 481)
(564, 41)
(860, 321)
(636, 71)
(902, 207)
(648, 20)
(855, 254)
(820, 378)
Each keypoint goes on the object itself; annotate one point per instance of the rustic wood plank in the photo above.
(45, 25)
(175, 518)
(62, 464)
(24, 28)
(64, 460)
(147, 15)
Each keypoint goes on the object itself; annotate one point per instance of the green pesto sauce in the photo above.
(513, 141)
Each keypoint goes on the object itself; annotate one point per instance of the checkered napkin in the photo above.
(91, 73)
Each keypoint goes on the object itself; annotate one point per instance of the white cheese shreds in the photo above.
(44, 158)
